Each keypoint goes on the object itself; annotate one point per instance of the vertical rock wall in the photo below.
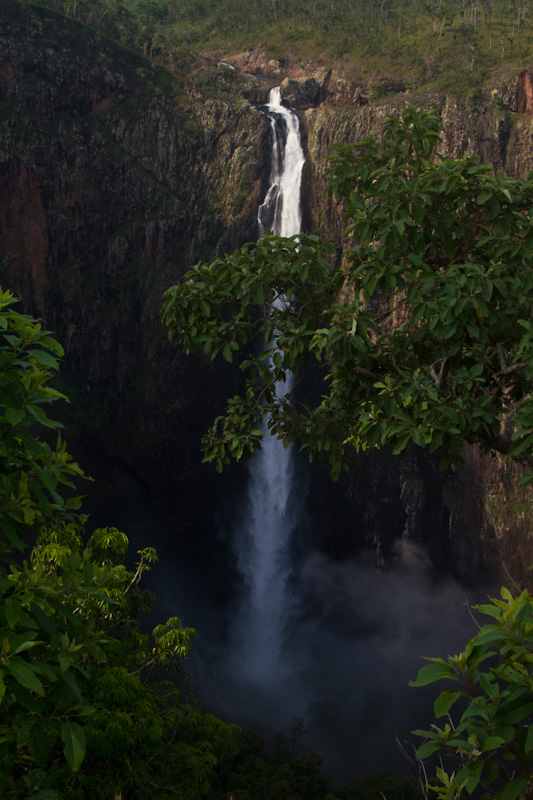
(115, 177)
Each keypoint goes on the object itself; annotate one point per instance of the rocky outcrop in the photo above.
(521, 99)
(302, 94)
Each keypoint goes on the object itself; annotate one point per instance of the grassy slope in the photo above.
(453, 46)
(449, 44)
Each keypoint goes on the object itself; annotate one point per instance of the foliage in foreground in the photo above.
(491, 683)
(80, 713)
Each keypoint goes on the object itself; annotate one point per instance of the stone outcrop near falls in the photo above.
(116, 175)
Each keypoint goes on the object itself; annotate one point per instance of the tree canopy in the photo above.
(447, 40)
(420, 331)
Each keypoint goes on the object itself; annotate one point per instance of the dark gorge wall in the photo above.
(115, 176)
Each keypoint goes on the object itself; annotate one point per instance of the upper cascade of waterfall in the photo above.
(281, 212)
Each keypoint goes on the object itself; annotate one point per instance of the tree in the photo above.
(421, 332)
(80, 712)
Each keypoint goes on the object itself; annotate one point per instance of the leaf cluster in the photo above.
(491, 683)
(32, 473)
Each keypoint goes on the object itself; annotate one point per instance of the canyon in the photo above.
(116, 175)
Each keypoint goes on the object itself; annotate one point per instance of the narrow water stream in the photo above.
(262, 542)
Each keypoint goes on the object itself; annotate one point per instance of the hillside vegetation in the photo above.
(453, 43)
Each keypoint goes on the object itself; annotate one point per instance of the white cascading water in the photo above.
(263, 542)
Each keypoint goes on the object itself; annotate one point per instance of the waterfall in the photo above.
(312, 640)
(262, 544)
(280, 211)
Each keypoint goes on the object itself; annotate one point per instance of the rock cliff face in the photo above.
(116, 175)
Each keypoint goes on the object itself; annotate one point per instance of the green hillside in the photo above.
(451, 43)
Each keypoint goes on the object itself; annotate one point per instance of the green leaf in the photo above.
(492, 743)
(74, 740)
(444, 702)
(476, 370)
(359, 343)
(24, 675)
(433, 673)
(418, 212)
(512, 790)
(489, 634)
(39, 744)
(226, 352)
(477, 708)
(469, 776)
(49, 479)
(514, 711)
(14, 416)
(483, 197)
(44, 358)
(528, 744)
(427, 749)
(13, 611)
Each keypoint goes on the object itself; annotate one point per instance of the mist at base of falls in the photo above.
(351, 644)
(349, 650)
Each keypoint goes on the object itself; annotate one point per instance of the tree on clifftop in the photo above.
(422, 333)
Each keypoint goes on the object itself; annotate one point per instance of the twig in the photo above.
(440, 379)
(365, 373)
(501, 356)
(469, 609)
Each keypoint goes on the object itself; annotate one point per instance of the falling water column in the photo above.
(263, 541)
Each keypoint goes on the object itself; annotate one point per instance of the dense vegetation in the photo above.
(84, 709)
(453, 43)
(79, 713)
